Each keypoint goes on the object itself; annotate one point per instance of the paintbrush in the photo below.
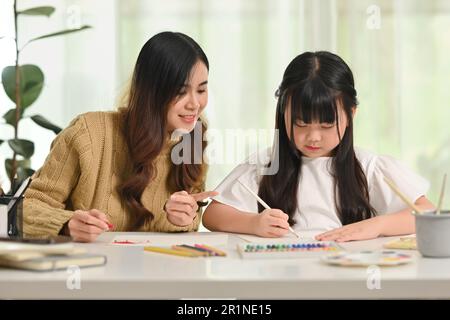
(265, 205)
(441, 196)
(402, 196)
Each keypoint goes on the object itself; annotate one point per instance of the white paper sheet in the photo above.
(3, 220)
(168, 239)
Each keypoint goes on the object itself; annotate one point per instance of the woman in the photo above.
(114, 170)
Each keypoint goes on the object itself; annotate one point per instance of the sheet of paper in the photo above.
(3, 220)
(307, 234)
(168, 239)
(7, 247)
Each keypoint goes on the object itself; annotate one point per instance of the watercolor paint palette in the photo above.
(299, 249)
(367, 258)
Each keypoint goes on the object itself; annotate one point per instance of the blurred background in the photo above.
(398, 50)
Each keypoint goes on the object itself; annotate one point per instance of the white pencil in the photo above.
(265, 205)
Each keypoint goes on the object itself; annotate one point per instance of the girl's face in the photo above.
(187, 106)
(316, 139)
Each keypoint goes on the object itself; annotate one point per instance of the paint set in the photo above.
(298, 249)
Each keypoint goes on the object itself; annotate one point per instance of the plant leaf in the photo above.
(31, 83)
(31, 94)
(38, 11)
(10, 116)
(25, 163)
(25, 148)
(43, 122)
(23, 173)
(59, 33)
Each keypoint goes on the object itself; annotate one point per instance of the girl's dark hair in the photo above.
(315, 83)
(162, 67)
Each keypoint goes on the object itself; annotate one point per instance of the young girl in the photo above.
(113, 170)
(322, 182)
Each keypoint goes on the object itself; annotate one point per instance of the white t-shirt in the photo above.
(317, 209)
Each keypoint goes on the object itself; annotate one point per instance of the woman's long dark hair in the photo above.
(162, 67)
(313, 85)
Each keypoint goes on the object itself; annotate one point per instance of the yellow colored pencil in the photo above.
(193, 251)
(171, 251)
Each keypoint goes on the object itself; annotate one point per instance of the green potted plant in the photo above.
(23, 85)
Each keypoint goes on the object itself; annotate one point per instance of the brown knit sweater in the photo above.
(87, 161)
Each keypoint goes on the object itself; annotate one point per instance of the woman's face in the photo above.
(316, 139)
(187, 106)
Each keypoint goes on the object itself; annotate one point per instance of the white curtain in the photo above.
(398, 51)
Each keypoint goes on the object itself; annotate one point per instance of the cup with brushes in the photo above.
(432, 226)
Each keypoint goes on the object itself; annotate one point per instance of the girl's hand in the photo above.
(181, 207)
(271, 223)
(362, 230)
(86, 226)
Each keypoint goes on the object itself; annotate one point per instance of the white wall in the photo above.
(80, 69)
(401, 68)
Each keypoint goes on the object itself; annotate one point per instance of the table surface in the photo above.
(132, 273)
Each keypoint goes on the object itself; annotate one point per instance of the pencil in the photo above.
(402, 195)
(185, 248)
(265, 205)
(200, 249)
(171, 251)
(214, 250)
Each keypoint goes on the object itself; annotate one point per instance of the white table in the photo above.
(132, 273)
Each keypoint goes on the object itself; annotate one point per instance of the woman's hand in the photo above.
(86, 226)
(362, 230)
(271, 223)
(181, 207)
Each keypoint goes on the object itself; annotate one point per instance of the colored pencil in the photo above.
(171, 251)
(200, 249)
(191, 250)
(214, 250)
